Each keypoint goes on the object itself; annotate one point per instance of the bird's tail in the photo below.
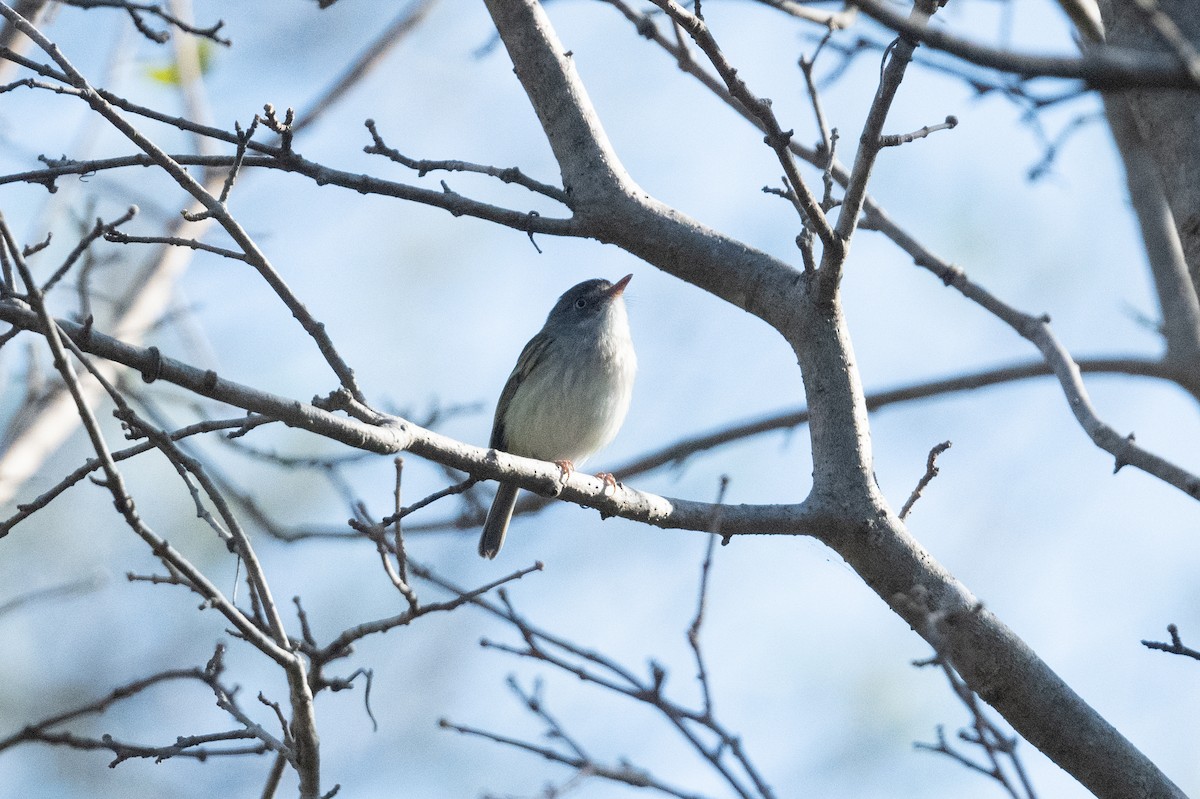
(497, 521)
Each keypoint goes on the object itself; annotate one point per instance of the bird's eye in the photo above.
(581, 303)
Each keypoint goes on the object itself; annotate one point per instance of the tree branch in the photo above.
(389, 435)
(1100, 67)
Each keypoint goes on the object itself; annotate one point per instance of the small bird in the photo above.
(569, 392)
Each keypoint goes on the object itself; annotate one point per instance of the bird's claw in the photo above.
(609, 481)
(566, 468)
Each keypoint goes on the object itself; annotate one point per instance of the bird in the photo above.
(569, 392)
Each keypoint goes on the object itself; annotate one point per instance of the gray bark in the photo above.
(1167, 120)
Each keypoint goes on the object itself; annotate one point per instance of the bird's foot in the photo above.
(609, 481)
(566, 468)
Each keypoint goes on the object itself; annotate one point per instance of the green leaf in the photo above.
(168, 74)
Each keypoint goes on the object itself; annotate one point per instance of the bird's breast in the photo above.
(573, 402)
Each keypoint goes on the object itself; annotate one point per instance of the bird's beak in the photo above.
(618, 287)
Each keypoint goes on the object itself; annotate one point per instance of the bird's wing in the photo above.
(533, 353)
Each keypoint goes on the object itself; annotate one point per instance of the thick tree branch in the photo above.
(608, 204)
(678, 452)
(1177, 297)
(389, 435)
(1167, 122)
(1101, 67)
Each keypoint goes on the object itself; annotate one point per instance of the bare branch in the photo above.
(1037, 331)
(340, 645)
(999, 748)
(623, 774)
(677, 454)
(693, 632)
(191, 746)
(70, 589)
(424, 167)
(1176, 646)
(834, 20)
(457, 204)
(870, 141)
(391, 435)
(137, 9)
(98, 230)
(776, 138)
(1100, 67)
(897, 139)
(726, 757)
(1177, 298)
(931, 471)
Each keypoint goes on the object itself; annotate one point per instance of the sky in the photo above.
(806, 663)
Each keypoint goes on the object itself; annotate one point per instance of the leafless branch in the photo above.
(678, 453)
(834, 20)
(100, 229)
(895, 140)
(624, 773)
(1036, 330)
(1176, 646)
(136, 10)
(389, 435)
(457, 204)
(776, 138)
(340, 645)
(190, 746)
(931, 471)
(424, 167)
(693, 632)
(870, 142)
(1100, 67)
(69, 589)
(727, 757)
(117, 237)
(999, 749)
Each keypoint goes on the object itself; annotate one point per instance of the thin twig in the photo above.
(1176, 646)
(623, 774)
(695, 726)
(896, 139)
(424, 167)
(931, 471)
(98, 230)
(113, 479)
(693, 633)
(891, 74)
(73, 588)
(340, 645)
(776, 138)
(137, 9)
(998, 748)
